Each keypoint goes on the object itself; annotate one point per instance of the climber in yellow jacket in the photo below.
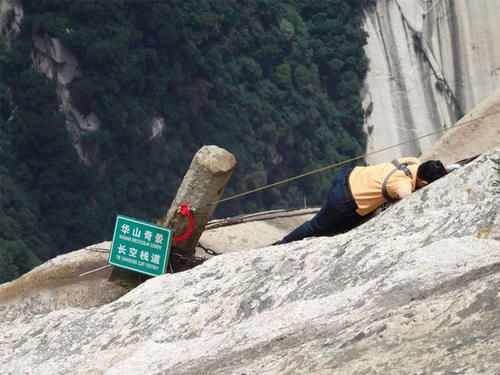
(356, 192)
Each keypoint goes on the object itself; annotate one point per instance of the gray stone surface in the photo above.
(475, 133)
(414, 290)
(57, 285)
(251, 231)
(11, 15)
(60, 65)
(76, 279)
(430, 63)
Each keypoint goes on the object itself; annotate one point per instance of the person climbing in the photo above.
(357, 192)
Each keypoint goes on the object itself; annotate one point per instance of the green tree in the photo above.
(275, 82)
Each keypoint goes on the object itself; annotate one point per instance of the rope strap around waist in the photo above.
(399, 167)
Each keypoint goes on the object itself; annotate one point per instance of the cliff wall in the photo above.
(430, 63)
(413, 291)
(11, 14)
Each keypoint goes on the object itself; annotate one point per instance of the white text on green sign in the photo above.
(140, 246)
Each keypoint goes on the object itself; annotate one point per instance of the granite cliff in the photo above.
(415, 290)
(431, 61)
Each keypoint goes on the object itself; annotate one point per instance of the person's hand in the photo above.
(452, 167)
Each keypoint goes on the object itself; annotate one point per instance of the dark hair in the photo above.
(431, 170)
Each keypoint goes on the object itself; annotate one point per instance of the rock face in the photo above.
(430, 63)
(251, 231)
(475, 133)
(81, 279)
(414, 290)
(57, 285)
(60, 65)
(11, 14)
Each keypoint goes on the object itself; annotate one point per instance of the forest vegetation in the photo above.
(276, 83)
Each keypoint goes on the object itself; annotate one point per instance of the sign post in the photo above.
(140, 246)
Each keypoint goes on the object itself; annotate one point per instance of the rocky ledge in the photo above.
(414, 290)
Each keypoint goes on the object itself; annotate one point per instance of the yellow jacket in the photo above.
(366, 183)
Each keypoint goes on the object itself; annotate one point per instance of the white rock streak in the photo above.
(430, 63)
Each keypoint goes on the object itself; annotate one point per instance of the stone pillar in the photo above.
(202, 185)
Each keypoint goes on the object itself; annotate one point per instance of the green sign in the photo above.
(140, 246)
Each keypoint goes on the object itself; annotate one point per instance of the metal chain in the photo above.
(98, 249)
(208, 250)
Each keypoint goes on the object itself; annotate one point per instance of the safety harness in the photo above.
(399, 167)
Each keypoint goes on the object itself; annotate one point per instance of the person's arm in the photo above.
(399, 188)
(403, 193)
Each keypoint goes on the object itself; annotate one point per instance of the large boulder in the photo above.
(57, 284)
(414, 290)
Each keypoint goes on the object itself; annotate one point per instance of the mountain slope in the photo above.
(415, 290)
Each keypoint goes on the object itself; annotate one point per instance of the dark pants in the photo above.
(337, 215)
